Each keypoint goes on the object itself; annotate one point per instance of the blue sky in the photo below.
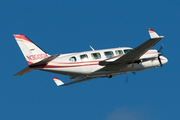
(71, 26)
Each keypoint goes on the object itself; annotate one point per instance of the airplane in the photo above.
(83, 66)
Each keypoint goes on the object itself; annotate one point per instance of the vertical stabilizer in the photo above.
(31, 51)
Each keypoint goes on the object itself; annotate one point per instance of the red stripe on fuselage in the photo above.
(60, 66)
(79, 64)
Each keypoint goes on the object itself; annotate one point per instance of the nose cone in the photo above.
(163, 60)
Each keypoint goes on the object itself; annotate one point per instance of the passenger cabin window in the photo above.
(127, 50)
(119, 52)
(109, 54)
(84, 57)
(96, 55)
(72, 59)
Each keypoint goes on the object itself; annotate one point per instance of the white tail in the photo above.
(31, 52)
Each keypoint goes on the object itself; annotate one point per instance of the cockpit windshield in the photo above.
(127, 50)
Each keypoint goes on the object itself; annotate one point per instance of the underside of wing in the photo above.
(60, 83)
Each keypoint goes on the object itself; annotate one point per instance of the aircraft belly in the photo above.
(82, 70)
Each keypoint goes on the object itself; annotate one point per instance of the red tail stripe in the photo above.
(21, 36)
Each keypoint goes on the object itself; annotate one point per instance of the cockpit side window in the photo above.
(72, 59)
(109, 54)
(96, 55)
(127, 50)
(84, 57)
(119, 52)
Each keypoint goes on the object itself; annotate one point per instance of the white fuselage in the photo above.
(86, 64)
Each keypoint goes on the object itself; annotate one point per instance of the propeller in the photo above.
(162, 46)
(159, 54)
(134, 73)
(127, 76)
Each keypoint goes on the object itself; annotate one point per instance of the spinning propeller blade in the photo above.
(162, 46)
(160, 53)
(160, 61)
(126, 77)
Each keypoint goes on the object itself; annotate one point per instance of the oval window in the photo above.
(72, 59)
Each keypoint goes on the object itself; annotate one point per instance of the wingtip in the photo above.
(153, 34)
(57, 81)
(151, 30)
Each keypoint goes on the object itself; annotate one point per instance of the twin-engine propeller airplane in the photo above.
(93, 64)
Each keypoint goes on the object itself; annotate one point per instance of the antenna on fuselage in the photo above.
(92, 48)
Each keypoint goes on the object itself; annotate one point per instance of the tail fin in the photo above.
(31, 52)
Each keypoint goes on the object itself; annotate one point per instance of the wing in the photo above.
(60, 83)
(132, 56)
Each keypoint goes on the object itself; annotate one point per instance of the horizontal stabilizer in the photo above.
(42, 62)
(24, 71)
(57, 81)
